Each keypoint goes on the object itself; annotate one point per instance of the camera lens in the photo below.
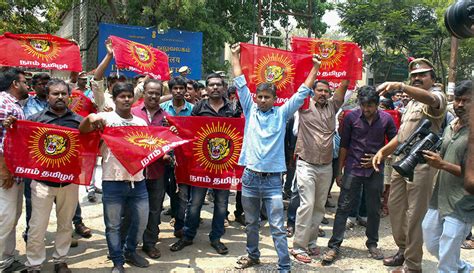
(459, 19)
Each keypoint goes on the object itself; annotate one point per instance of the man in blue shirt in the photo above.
(178, 106)
(264, 158)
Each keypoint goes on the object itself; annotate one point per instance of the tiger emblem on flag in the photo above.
(274, 73)
(218, 148)
(54, 145)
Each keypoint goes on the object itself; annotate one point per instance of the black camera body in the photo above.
(421, 139)
(459, 19)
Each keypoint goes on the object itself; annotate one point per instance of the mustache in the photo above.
(417, 81)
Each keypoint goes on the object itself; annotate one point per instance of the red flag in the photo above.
(210, 161)
(50, 152)
(138, 146)
(286, 69)
(140, 58)
(340, 60)
(80, 104)
(43, 51)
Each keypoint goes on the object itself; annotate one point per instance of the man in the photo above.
(178, 106)
(191, 95)
(11, 188)
(37, 103)
(264, 159)
(314, 148)
(363, 134)
(408, 202)
(150, 111)
(119, 188)
(450, 215)
(183, 71)
(216, 106)
(44, 193)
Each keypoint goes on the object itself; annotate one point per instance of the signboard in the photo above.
(182, 47)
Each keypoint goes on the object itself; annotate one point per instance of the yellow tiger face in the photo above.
(40, 45)
(274, 73)
(327, 49)
(218, 148)
(142, 54)
(54, 145)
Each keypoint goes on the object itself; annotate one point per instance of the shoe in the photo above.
(91, 197)
(330, 256)
(325, 221)
(375, 253)
(240, 219)
(395, 260)
(118, 269)
(61, 268)
(16, 266)
(321, 233)
(245, 261)
(82, 230)
(74, 242)
(136, 260)
(180, 244)
(219, 247)
(152, 252)
(404, 269)
(179, 234)
(226, 223)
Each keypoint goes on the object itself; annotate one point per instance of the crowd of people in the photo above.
(288, 152)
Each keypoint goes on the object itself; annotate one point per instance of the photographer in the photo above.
(408, 201)
(447, 223)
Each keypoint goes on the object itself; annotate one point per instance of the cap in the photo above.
(420, 65)
(82, 75)
(183, 69)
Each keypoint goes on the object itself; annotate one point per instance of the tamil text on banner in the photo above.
(138, 146)
(43, 51)
(210, 161)
(51, 153)
(286, 69)
(140, 58)
(339, 59)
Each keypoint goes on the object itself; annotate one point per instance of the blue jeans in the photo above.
(258, 190)
(193, 214)
(294, 204)
(350, 193)
(116, 195)
(183, 200)
(443, 237)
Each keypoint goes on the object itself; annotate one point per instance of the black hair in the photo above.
(214, 76)
(8, 76)
(231, 90)
(463, 88)
(153, 81)
(201, 86)
(367, 94)
(121, 87)
(433, 74)
(39, 77)
(387, 103)
(265, 86)
(193, 83)
(139, 76)
(54, 82)
(113, 77)
(179, 80)
(320, 81)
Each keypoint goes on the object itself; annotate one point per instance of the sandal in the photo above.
(301, 256)
(245, 262)
(330, 256)
(314, 251)
(219, 247)
(468, 244)
(375, 253)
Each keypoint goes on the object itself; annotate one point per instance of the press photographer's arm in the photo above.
(434, 160)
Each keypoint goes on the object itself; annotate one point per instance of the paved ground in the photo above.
(91, 254)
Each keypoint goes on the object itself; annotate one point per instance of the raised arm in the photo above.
(236, 67)
(100, 70)
(314, 71)
(91, 123)
(340, 92)
(416, 93)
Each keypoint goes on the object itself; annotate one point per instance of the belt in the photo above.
(260, 173)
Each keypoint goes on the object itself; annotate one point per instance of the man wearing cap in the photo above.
(183, 71)
(408, 201)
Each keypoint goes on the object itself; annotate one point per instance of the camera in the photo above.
(421, 139)
(459, 19)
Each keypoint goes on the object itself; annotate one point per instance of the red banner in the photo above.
(340, 60)
(140, 58)
(286, 69)
(210, 161)
(138, 146)
(51, 153)
(80, 104)
(43, 51)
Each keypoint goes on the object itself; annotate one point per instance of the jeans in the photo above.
(171, 187)
(360, 208)
(258, 190)
(116, 195)
(192, 219)
(156, 194)
(293, 206)
(350, 192)
(239, 210)
(183, 195)
(443, 237)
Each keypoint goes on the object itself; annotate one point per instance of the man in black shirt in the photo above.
(45, 193)
(215, 106)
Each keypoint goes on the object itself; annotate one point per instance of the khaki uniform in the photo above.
(408, 201)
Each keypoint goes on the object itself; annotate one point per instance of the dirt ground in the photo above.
(91, 254)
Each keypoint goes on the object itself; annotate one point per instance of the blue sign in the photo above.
(184, 48)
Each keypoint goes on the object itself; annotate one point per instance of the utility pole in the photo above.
(452, 66)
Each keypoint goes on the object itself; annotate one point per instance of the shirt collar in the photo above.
(10, 96)
(377, 115)
(49, 111)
